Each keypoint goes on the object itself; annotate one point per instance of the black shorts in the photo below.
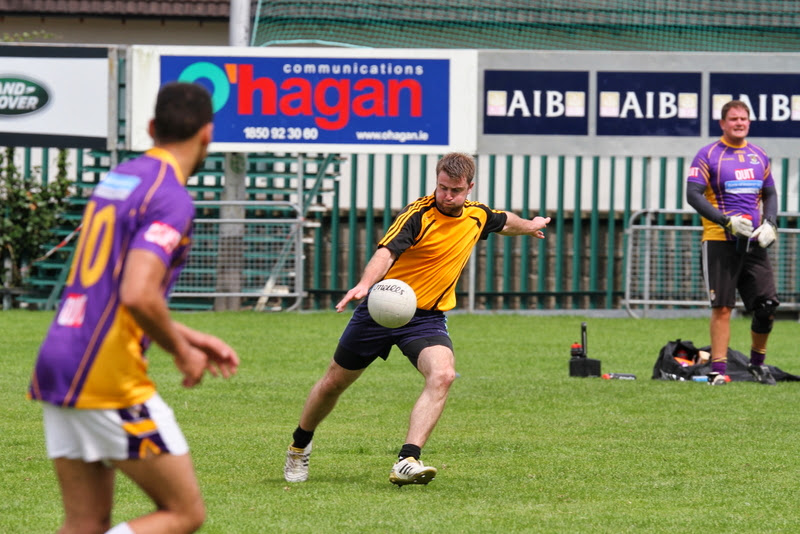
(364, 340)
(725, 270)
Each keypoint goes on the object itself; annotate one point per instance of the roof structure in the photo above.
(202, 9)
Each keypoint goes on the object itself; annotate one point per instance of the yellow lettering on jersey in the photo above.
(87, 220)
(98, 246)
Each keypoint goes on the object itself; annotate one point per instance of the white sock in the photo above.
(122, 528)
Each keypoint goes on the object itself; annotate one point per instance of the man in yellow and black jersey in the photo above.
(435, 247)
(427, 246)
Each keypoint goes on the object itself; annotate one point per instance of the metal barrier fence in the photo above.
(253, 260)
(663, 261)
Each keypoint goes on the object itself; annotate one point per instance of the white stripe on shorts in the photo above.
(704, 263)
(94, 435)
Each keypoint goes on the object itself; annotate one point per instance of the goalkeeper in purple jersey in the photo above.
(730, 185)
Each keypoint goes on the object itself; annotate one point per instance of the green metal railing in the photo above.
(580, 264)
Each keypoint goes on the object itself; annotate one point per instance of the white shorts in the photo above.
(101, 435)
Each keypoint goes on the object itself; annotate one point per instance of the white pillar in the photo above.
(229, 268)
(239, 26)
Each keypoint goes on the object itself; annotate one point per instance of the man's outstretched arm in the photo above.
(516, 225)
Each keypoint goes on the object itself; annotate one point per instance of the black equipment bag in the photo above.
(667, 367)
(679, 360)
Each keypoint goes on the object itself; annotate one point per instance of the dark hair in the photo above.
(733, 104)
(181, 110)
(457, 165)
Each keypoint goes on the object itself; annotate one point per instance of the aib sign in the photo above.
(535, 102)
(773, 99)
(648, 103)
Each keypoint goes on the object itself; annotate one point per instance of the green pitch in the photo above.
(521, 447)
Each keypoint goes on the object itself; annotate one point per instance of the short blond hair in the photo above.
(457, 165)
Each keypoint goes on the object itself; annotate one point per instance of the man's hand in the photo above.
(204, 352)
(540, 223)
(192, 364)
(740, 226)
(376, 269)
(213, 355)
(222, 359)
(516, 225)
(766, 234)
(357, 293)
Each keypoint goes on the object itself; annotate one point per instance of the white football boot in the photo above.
(296, 467)
(411, 471)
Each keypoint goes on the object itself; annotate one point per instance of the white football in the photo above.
(392, 303)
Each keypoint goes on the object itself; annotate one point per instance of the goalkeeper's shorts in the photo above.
(726, 269)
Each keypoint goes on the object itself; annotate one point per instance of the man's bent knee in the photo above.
(194, 518)
(186, 519)
(442, 378)
(763, 316)
(437, 365)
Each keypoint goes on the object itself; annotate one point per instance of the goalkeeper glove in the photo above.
(739, 226)
(766, 234)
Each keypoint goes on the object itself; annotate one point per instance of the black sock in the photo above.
(302, 438)
(410, 450)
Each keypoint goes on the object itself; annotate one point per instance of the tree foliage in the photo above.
(21, 37)
(30, 213)
(30, 206)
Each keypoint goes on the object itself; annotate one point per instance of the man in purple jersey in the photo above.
(101, 410)
(730, 185)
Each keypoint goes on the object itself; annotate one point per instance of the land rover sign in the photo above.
(58, 96)
(19, 96)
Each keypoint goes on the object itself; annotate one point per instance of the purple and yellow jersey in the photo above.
(733, 178)
(432, 248)
(93, 354)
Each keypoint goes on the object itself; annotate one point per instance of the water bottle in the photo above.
(619, 376)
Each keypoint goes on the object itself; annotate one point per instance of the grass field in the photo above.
(521, 447)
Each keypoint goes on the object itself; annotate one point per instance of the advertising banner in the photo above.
(321, 100)
(537, 102)
(631, 103)
(648, 103)
(54, 96)
(773, 99)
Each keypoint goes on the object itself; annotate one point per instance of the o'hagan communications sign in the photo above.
(401, 101)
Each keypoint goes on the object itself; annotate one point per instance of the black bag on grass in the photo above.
(679, 360)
